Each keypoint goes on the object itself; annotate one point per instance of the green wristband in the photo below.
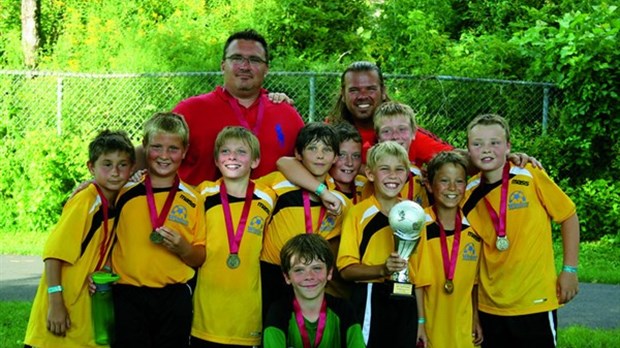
(421, 320)
(54, 289)
(569, 269)
(320, 189)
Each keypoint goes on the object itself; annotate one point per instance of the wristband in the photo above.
(421, 320)
(569, 269)
(320, 189)
(107, 268)
(54, 289)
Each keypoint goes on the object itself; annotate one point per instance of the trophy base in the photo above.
(403, 290)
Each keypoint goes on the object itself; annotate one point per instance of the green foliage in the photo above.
(579, 52)
(36, 179)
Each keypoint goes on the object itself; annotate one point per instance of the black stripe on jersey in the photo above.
(215, 200)
(95, 225)
(292, 199)
(479, 192)
(432, 231)
(378, 222)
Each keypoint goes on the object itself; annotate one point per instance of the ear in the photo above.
(286, 278)
(255, 163)
(428, 186)
(298, 155)
(185, 151)
(369, 175)
(330, 273)
(222, 65)
(91, 167)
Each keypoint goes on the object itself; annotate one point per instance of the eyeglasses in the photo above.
(238, 59)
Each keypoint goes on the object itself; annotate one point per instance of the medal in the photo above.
(448, 286)
(502, 243)
(156, 237)
(233, 261)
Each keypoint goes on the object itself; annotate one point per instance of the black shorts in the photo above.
(391, 321)
(152, 317)
(538, 330)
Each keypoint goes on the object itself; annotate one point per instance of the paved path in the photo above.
(596, 306)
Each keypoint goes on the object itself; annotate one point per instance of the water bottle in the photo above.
(103, 307)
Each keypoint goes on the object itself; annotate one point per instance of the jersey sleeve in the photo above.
(348, 253)
(558, 205)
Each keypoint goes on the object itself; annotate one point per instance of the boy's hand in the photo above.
(137, 175)
(395, 263)
(331, 203)
(567, 287)
(521, 159)
(278, 98)
(173, 241)
(58, 321)
(81, 186)
(476, 334)
(422, 339)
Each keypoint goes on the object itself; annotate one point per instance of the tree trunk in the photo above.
(30, 31)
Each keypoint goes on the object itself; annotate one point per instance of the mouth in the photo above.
(392, 185)
(451, 196)
(232, 166)
(363, 106)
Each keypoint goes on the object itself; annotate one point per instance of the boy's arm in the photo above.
(296, 173)
(58, 321)
(359, 271)
(476, 330)
(568, 283)
(419, 299)
(192, 255)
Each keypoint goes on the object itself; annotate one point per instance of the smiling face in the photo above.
(388, 176)
(448, 186)
(244, 68)
(164, 153)
(308, 279)
(111, 171)
(234, 159)
(362, 94)
(396, 128)
(488, 149)
(347, 164)
(318, 158)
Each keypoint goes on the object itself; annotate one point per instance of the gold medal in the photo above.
(448, 286)
(233, 261)
(502, 243)
(156, 238)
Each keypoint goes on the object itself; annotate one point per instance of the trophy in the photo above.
(406, 219)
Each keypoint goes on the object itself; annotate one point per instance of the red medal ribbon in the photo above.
(234, 238)
(302, 325)
(106, 238)
(308, 213)
(499, 222)
(449, 260)
(234, 104)
(158, 220)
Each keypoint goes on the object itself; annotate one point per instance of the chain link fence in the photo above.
(86, 103)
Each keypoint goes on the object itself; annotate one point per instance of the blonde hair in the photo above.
(392, 109)
(166, 122)
(490, 120)
(237, 133)
(386, 148)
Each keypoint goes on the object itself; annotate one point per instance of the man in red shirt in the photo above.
(362, 91)
(241, 101)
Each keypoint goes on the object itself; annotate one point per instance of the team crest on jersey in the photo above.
(178, 214)
(469, 252)
(328, 224)
(517, 200)
(256, 225)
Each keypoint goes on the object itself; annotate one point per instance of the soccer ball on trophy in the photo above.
(406, 218)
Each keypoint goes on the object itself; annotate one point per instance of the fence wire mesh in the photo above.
(84, 104)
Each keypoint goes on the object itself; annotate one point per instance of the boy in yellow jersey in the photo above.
(227, 300)
(79, 246)
(444, 267)
(300, 211)
(511, 208)
(396, 122)
(161, 238)
(343, 176)
(311, 318)
(367, 255)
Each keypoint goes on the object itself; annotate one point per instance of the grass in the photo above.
(14, 319)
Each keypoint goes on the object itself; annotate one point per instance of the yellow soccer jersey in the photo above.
(367, 237)
(288, 218)
(522, 279)
(137, 260)
(359, 182)
(79, 240)
(413, 189)
(449, 316)
(227, 301)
